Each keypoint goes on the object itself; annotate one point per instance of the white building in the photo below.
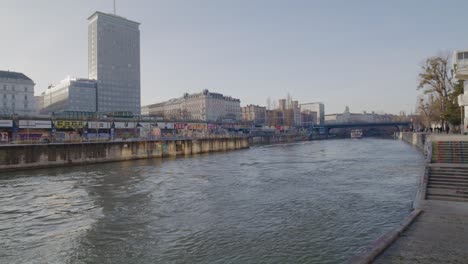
(204, 106)
(460, 65)
(348, 117)
(16, 94)
(316, 107)
(114, 61)
(71, 94)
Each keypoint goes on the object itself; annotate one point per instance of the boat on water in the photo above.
(356, 133)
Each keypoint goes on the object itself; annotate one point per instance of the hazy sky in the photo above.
(365, 54)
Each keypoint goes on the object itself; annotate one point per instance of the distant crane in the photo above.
(115, 13)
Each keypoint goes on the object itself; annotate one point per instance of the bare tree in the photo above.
(429, 110)
(436, 79)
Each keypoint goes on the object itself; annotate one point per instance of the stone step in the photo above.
(447, 186)
(449, 147)
(464, 157)
(453, 183)
(443, 148)
(456, 169)
(450, 155)
(449, 142)
(445, 180)
(452, 161)
(441, 174)
(446, 198)
(448, 177)
(461, 193)
(450, 173)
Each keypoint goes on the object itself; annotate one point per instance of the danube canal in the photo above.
(310, 202)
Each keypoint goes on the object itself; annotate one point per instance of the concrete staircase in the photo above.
(447, 182)
(450, 152)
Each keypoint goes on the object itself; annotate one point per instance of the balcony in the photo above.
(463, 100)
(460, 64)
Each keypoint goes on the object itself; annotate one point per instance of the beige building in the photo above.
(254, 113)
(204, 106)
(287, 114)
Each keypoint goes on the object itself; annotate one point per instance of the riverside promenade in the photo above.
(437, 232)
(438, 235)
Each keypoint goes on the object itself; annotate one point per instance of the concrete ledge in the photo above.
(383, 242)
(447, 137)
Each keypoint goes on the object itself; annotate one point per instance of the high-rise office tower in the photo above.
(114, 61)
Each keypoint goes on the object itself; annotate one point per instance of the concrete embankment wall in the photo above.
(277, 139)
(416, 139)
(16, 157)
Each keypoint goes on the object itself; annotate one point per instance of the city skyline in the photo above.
(249, 51)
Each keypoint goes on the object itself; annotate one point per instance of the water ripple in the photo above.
(312, 202)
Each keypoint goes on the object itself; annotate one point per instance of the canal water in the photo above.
(310, 202)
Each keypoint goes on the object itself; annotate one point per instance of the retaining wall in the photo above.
(416, 139)
(16, 157)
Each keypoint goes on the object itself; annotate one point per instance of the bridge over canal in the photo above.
(324, 130)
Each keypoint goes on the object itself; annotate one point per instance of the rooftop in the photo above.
(111, 15)
(14, 75)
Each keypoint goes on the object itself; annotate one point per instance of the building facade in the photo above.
(287, 114)
(204, 106)
(309, 118)
(318, 108)
(114, 61)
(71, 95)
(16, 94)
(254, 113)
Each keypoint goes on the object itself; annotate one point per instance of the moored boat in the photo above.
(356, 133)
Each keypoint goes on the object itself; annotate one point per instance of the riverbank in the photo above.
(20, 157)
(439, 234)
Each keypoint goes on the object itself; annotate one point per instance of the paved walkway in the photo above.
(438, 235)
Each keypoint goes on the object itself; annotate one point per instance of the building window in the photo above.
(25, 89)
(4, 87)
(25, 97)
(12, 87)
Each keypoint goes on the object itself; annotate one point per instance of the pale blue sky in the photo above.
(365, 54)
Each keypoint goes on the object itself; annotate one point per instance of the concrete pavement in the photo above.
(438, 235)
